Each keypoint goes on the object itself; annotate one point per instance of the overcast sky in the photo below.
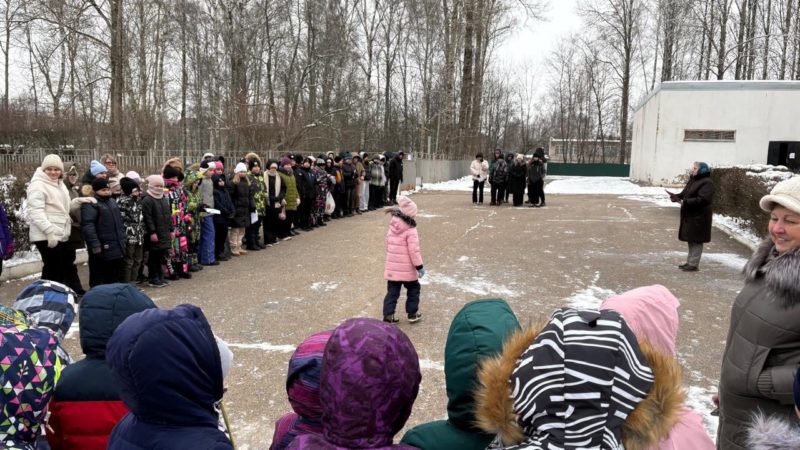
(533, 41)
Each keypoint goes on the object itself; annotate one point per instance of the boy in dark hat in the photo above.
(102, 229)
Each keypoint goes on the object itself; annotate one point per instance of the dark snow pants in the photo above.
(393, 293)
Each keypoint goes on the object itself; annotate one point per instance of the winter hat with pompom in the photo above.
(52, 161)
(786, 193)
(407, 206)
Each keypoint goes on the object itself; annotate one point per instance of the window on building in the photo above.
(710, 135)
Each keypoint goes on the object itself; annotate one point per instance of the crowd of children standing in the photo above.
(168, 225)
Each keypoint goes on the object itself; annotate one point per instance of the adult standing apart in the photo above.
(395, 176)
(48, 214)
(762, 351)
(516, 179)
(480, 172)
(114, 174)
(536, 174)
(696, 214)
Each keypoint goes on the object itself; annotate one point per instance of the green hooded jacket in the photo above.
(478, 331)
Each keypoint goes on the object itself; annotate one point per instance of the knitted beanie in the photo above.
(96, 168)
(128, 185)
(407, 206)
(99, 184)
(52, 161)
(134, 176)
(240, 168)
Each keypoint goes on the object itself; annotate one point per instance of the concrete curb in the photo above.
(29, 268)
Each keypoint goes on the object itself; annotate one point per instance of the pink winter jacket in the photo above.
(403, 254)
(652, 314)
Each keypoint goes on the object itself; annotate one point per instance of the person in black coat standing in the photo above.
(307, 188)
(536, 174)
(696, 213)
(395, 176)
(222, 202)
(157, 216)
(102, 229)
(243, 204)
(516, 180)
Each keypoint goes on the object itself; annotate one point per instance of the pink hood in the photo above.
(652, 313)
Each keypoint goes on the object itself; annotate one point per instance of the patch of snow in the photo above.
(737, 228)
(428, 364)
(699, 400)
(463, 258)
(23, 257)
(266, 346)
(600, 185)
(427, 216)
(476, 286)
(321, 286)
(33, 276)
(590, 297)
(74, 329)
(460, 184)
(731, 260)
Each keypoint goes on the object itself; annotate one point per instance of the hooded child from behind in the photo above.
(170, 375)
(302, 387)
(478, 331)
(370, 379)
(86, 404)
(652, 314)
(31, 359)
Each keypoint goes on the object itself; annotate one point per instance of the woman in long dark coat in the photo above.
(243, 204)
(695, 199)
(516, 180)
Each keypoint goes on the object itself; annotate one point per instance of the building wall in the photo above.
(661, 156)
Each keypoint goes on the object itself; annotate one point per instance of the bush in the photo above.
(737, 191)
(12, 195)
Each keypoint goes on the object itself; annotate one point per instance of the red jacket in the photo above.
(68, 427)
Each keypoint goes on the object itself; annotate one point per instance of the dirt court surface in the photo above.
(577, 251)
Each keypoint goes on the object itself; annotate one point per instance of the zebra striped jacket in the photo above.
(580, 380)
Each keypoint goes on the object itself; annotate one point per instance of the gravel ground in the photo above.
(575, 252)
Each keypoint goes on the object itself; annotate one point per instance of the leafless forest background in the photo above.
(138, 76)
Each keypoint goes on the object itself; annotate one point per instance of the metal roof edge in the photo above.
(721, 85)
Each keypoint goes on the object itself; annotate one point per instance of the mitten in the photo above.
(421, 272)
(96, 250)
(154, 237)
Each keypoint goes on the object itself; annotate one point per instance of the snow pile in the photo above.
(699, 400)
(460, 184)
(738, 228)
(768, 175)
(600, 185)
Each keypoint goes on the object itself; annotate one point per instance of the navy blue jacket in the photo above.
(168, 369)
(101, 227)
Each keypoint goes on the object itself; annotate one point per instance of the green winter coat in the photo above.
(291, 190)
(478, 331)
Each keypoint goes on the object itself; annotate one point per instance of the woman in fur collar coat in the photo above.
(762, 352)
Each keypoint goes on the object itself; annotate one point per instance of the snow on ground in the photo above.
(428, 364)
(699, 399)
(476, 286)
(738, 228)
(23, 258)
(591, 297)
(266, 346)
(322, 286)
(600, 185)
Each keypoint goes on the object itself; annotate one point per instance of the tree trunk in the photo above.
(117, 60)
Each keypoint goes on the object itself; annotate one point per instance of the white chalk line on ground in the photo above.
(480, 222)
(477, 286)
(266, 346)
(590, 297)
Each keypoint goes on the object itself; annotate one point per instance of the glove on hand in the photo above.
(96, 250)
(154, 237)
(421, 272)
(52, 241)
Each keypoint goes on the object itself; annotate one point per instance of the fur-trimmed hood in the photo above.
(780, 272)
(772, 433)
(649, 423)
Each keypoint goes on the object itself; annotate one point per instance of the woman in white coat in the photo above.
(48, 205)
(480, 172)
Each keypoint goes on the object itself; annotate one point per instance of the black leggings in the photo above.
(220, 237)
(55, 261)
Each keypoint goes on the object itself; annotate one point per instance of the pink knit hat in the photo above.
(407, 206)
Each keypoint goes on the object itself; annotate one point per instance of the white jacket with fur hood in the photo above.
(48, 204)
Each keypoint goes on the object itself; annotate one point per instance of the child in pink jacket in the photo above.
(652, 314)
(403, 261)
